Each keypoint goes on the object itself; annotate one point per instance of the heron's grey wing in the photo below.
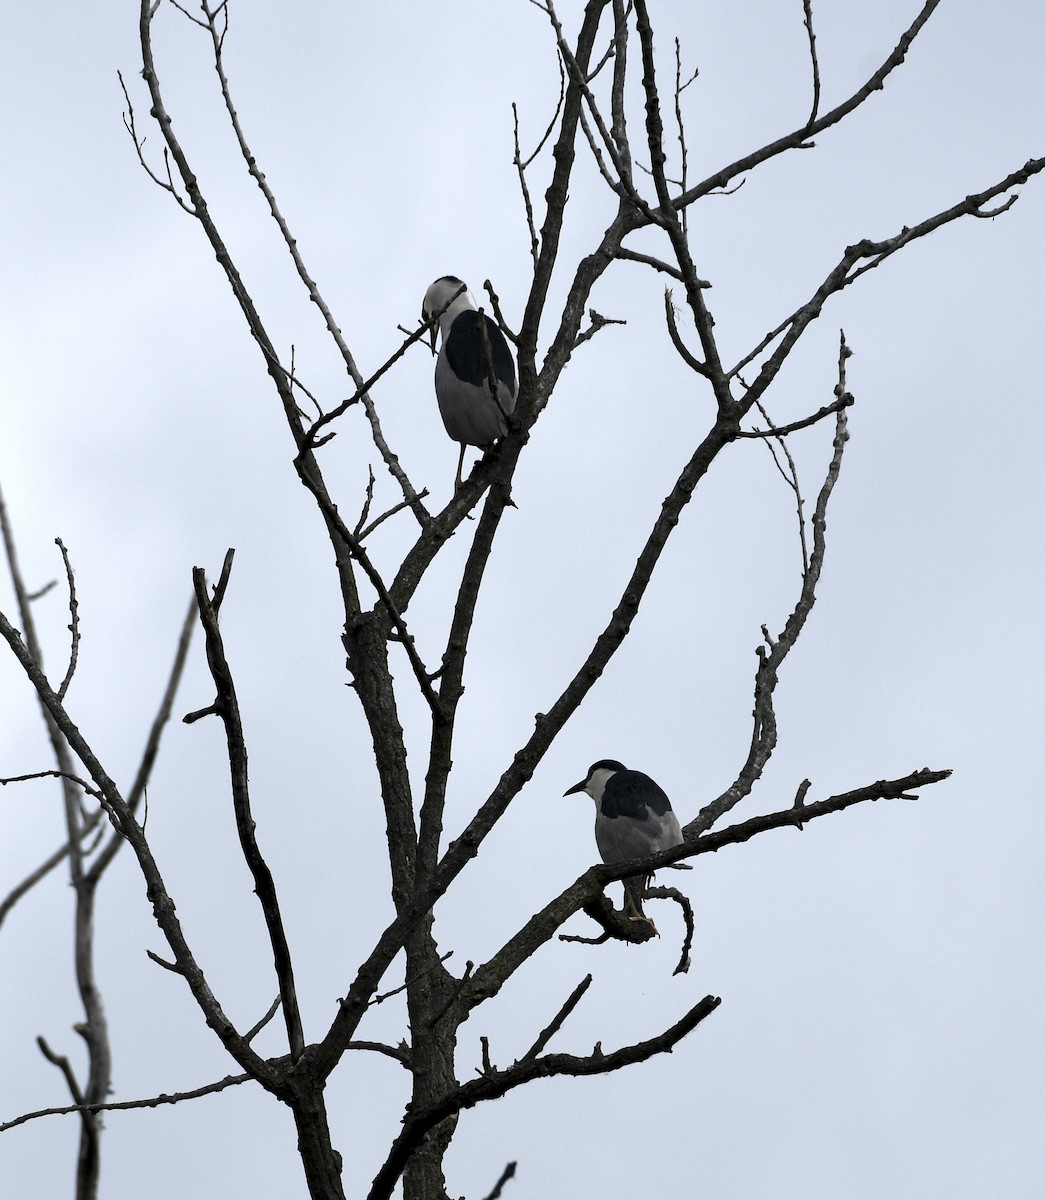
(469, 412)
(635, 818)
(621, 838)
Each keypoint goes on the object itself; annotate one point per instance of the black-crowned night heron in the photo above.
(633, 819)
(475, 380)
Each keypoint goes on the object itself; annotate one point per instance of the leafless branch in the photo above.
(669, 220)
(681, 348)
(363, 389)
(682, 900)
(557, 1021)
(598, 321)
(680, 125)
(618, 108)
(381, 997)
(771, 657)
(173, 967)
(40, 592)
(314, 294)
(494, 1083)
(621, 177)
(521, 164)
(799, 138)
(396, 508)
(152, 742)
(53, 774)
(807, 20)
(74, 621)
(264, 885)
(658, 264)
(365, 512)
(781, 431)
(48, 865)
(121, 1105)
(596, 152)
(355, 546)
(167, 184)
(254, 1030)
(401, 1053)
(798, 815)
(506, 1174)
(495, 304)
(790, 477)
(63, 1064)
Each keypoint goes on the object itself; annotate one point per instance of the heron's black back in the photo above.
(465, 354)
(633, 794)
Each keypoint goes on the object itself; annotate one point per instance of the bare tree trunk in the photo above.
(433, 1028)
(322, 1163)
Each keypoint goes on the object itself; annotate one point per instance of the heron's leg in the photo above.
(634, 890)
(460, 468)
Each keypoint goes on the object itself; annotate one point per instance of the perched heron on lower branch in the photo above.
(633, 819)
(475, 381)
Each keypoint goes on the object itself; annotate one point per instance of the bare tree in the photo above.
(617, 107)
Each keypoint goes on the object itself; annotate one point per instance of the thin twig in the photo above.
(167, 184)
(598, 321)
(498, 1187)
(369, 499)
(807, 20)
(381, 997)
(152, 743)
(680, 87)
(74, 621)
(681, 348)
(557, 1021)
(122, 1105)
(55, 859)
(53, 774)
(63, 1064)
(790, 477)
(781, 431)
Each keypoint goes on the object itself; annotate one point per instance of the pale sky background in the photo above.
(881, 973)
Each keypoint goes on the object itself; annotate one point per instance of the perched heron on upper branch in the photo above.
(475, 381)
(633, 819)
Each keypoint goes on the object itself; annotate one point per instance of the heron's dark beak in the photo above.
(577, 787)
(431, 336)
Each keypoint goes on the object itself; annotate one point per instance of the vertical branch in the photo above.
(618, 117)
(680, 87)
(94, 1028)
(74, 621)
(790, 477)
(771, 656)
(564, 153)
(807, 21)
(111, 848)
(668, 217)
(227, 707)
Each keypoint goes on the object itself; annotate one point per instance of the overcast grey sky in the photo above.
(880, 1033)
